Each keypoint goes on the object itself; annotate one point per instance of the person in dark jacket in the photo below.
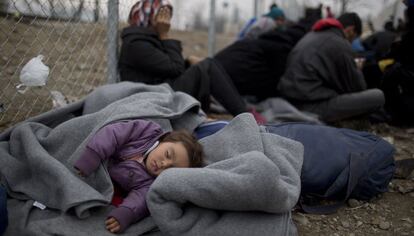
(150, 56)
(255, 65)
(398, 80)
(322, 76)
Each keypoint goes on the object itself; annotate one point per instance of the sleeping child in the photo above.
(137, 151)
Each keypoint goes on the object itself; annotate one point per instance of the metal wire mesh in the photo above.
(71, 36)
(79, 40)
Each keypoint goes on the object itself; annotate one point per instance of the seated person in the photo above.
(149, 55)
(398, 81)
(322, 76)
(270, 21)
(256, 65)
(137, 151)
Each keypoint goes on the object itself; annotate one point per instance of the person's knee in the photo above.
(375, 97)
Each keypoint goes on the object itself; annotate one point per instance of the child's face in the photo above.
(167, 155)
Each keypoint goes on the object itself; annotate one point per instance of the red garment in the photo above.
(327, 23)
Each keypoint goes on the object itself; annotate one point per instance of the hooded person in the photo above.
(148, 55)
(322, 76)
(275, 18)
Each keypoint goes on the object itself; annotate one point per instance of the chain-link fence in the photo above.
(79, 40)
(71, 35)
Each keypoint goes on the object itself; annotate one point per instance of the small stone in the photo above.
(375, 221)
(301, 219)
(359, 223)
(10, 71)
(345, 224)
(356, 217)
(354, 203)
(407, 220)
(389, 139)
(384, 225)
(351, 234)
(407, 225)
(410, 131)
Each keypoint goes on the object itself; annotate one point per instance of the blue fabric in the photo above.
(333, 157)
(209, 128)
(3, 210)
(246, 27)
(357, 45)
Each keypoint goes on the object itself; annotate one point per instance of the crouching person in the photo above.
(322, 76)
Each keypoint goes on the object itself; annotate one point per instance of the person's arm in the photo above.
(111, 137)
(132, 209)
(352, 79)
(164, 63)
(340, 72)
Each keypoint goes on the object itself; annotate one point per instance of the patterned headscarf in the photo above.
(143, 11)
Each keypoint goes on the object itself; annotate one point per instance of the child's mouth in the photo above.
(155, 166)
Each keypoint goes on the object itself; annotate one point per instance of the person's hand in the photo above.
(194, 59)
(360, 62)
(79, 172)
(112, 225)
(162, 22)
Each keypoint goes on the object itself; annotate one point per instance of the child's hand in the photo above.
(112, 225)
(79, 172)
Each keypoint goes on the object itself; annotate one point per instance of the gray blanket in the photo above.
(248, 188)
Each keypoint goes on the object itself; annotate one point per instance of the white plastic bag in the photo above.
(34, 73)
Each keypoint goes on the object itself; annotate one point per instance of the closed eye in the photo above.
(167, 155)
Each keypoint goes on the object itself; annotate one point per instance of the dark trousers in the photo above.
(3, 210)
(346, 105)
(209, 78)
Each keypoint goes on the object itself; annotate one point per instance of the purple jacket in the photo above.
(121, 141)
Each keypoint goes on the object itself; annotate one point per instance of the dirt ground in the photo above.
(390, 214)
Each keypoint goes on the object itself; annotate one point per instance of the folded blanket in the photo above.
(249, 187)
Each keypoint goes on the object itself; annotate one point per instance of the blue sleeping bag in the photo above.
(341, 163)
(338, 163)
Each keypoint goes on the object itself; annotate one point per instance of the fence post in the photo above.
(112, 37)
(256, 8)
(212, 29)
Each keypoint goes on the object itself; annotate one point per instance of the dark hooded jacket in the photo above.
(320, 67)
(255, 65)
(147, 59)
